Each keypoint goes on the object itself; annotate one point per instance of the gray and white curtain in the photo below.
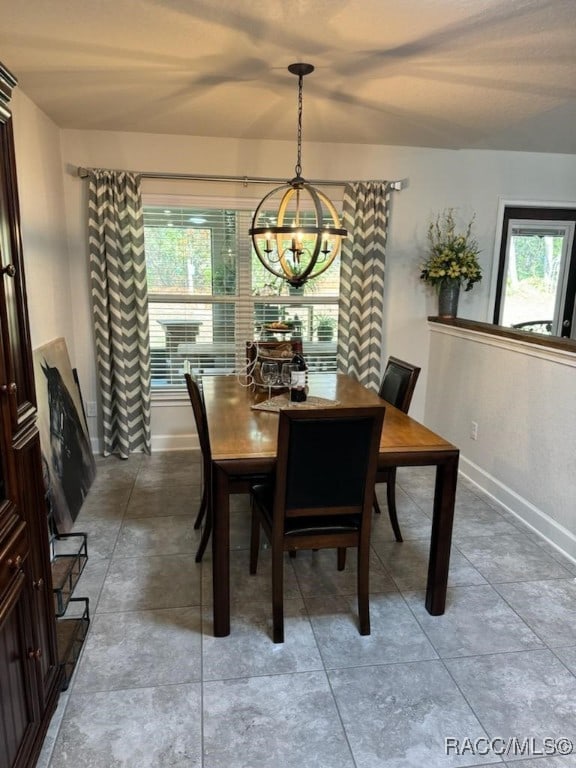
(361, 309)
(120, 309)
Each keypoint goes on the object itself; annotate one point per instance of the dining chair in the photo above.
(397, 387)
(199, 410)
(321, 496)
(239, 484)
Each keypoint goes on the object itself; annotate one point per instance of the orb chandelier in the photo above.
(296, 231)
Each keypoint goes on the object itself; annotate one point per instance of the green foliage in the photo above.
(224, 278)
(325, 321)
(177, 256)
(531, 257)
(180, 259)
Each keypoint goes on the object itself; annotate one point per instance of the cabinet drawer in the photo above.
(13, 552)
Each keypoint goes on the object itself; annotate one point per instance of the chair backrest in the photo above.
(199, 410)
(398, 383)
(327, 461)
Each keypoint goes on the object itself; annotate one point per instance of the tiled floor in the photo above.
(154, 688)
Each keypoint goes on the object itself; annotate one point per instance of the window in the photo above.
(536, 285)
(209, 294)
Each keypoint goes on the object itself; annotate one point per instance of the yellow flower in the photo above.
(453, 256)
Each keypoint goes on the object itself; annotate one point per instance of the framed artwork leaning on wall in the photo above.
(69, 467)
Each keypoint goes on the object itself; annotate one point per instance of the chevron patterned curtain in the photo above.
(365, 216)
(120, 309)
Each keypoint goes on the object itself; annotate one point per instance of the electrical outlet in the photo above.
(474, 430)
(91, 409)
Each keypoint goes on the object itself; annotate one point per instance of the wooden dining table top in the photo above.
(237, 431)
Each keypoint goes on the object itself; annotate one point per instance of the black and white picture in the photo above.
(69, 466)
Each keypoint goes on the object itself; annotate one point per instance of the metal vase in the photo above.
(448, 296)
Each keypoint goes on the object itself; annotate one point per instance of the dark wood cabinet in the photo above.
(30, 676)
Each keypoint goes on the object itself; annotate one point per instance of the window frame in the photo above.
(553, 212)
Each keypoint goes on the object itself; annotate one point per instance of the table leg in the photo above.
(441, 538)
(220, 552)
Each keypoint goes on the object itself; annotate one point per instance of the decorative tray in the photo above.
(69, 557)
(71, 632)
(284, 328)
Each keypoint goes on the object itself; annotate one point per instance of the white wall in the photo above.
(43, 223)
(472, 181)
(522, 398)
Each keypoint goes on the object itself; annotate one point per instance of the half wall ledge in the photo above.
(538, 339)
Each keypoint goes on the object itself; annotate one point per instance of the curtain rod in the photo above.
(84, 172)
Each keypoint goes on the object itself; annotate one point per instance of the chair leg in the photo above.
(376, 505)
(201, 510)
(363, 589)
(341, 558)
(254, 541)
(391, 499)
(278, 594)
(205, 534)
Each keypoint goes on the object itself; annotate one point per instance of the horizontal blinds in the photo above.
(209, 295)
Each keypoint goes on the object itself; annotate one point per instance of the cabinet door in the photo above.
(32, 509)
(18, 386)
(22, 499)
(28, 656)
(17, 694)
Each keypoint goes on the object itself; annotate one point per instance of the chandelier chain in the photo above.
(298, 167)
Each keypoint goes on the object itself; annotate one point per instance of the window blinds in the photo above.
(209, 295)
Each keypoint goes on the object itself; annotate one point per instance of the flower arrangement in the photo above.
(453, 255)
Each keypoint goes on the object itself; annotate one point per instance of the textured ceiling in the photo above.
(497, 74)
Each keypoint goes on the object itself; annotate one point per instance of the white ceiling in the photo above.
(497, 74)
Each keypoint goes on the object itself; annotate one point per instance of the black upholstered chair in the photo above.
(321, 496)
(397, 387)
(237, 484)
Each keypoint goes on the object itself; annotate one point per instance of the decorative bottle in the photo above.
(298, 379)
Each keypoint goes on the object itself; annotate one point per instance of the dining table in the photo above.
(243, 441)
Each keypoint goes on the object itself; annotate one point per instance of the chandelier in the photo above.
(296, 231)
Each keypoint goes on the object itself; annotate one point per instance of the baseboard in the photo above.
(160, 443)
(174, 443)
(554, 533)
